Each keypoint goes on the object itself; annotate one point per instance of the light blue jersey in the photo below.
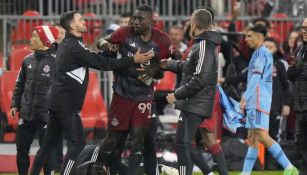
(258, 94)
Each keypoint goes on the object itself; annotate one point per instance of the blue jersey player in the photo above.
(256, 103)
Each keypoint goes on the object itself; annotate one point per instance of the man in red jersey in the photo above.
(133, 93)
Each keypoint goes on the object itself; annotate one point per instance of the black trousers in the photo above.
(186, 129)
(149, 154)
(26, 131)
(301, 139)
(274, 126)
(70, 124)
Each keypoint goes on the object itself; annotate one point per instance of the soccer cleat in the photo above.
(291, 171)
(166, 170)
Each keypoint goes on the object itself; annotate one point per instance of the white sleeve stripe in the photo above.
(48, 33)
(201, 56)
(95, 154)
(202, 51)
(68, 167)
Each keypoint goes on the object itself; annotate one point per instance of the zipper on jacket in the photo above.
(37, 62)
(301, 64)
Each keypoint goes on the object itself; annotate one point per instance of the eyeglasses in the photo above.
(303, 28)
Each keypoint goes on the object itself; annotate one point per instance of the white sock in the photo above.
(211, 173)
(289, 166)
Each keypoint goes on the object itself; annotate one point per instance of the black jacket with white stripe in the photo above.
(199, 75)
(73, 59)
(34, 80)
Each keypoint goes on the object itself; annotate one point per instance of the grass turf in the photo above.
(231, 173)
(254, 173)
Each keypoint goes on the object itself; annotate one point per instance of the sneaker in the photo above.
(291, 171)
(166, 170)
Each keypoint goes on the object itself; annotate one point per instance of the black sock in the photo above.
(219, 158)
(135, 160)
(103, 158)
(198, 160)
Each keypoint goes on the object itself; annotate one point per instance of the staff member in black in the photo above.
(297, 74)
(30, 93)
(195, 95)
(68, 89)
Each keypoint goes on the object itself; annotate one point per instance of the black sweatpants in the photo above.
(149, 154)
(301, 139)
(26, 131)
(186, 129)
(70, 124)
(274, 125)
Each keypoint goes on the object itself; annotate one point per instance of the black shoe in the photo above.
(86, 165)
(97, 170)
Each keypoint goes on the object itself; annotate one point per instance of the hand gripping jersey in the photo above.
(127, 85)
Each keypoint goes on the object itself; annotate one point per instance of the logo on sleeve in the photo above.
(30, 66)
(132, 44)
(119, 55)
(20, 121)
(84, 47)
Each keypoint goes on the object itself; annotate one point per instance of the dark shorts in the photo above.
(125, 114)
(212, 123)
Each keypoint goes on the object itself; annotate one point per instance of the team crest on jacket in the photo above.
(46, 69)
(114, 122)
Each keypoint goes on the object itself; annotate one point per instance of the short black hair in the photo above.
(259, 29)
(262, 19)
(271, 40)
(67, 18)
(145, 8)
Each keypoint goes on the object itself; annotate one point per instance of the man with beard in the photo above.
(68, 89)
(131, 107)
(195, 95)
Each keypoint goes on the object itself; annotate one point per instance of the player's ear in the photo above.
(72, 26)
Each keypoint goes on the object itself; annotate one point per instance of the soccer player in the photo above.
(131, 107)
(68, 89)
(256, 103)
